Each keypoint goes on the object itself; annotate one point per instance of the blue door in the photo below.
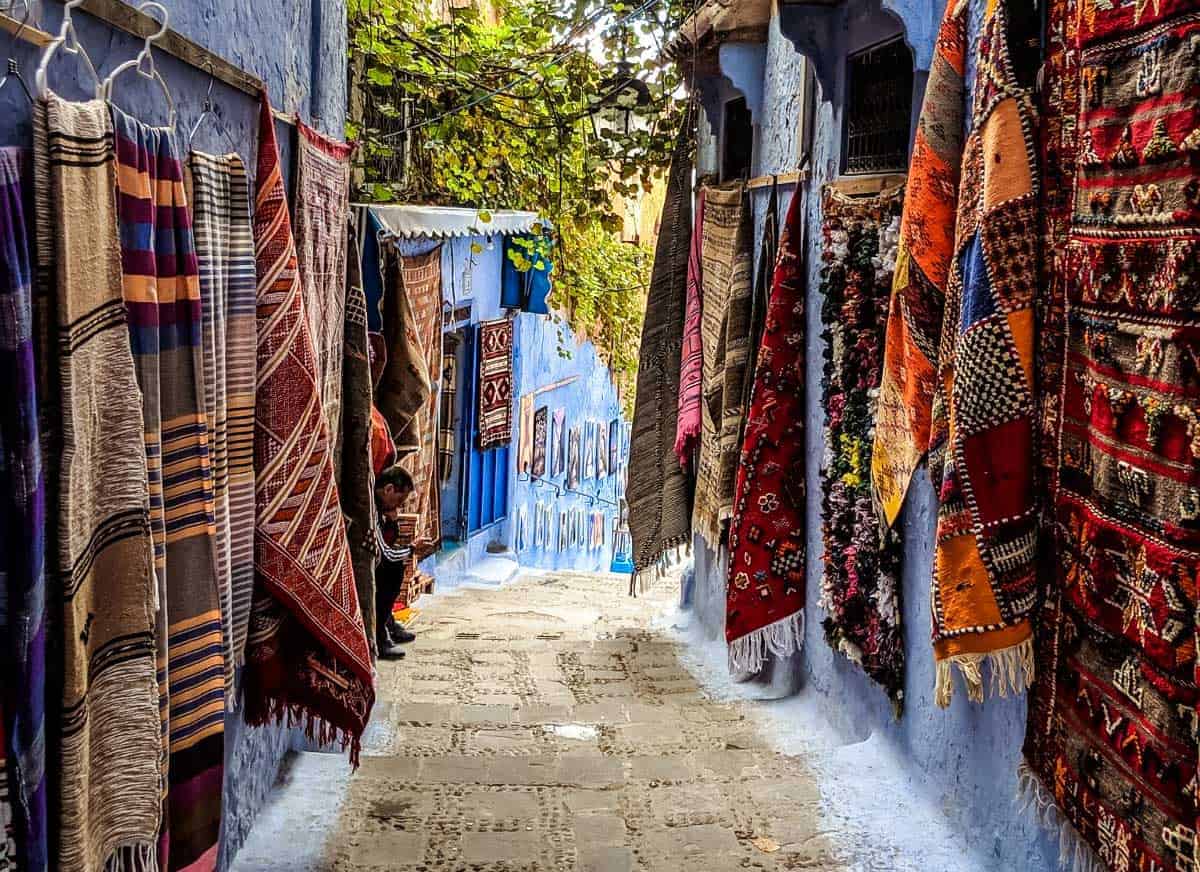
(486, 491)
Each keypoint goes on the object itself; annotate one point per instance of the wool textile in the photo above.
(767, 536)
(1111, 743)
(161, 281)
(101, 548)
(405, 382)
(22, 525)
(861, 587)
(540, 420)
(354, 455)
(495, 383)
(448, 414)
(726, 328)
(422, 284)
(691, 363)
(219, 193)
(660, 490)
(525, 434)
(322, 215)
(307, 658)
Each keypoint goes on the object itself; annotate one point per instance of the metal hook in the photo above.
(13, 70)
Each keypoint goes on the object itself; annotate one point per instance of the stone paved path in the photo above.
(546, 726)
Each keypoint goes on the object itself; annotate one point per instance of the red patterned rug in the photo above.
(307, 658)
(495, 383)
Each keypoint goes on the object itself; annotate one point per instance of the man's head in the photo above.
(392, 487)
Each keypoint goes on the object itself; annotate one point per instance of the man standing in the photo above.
(393, 487)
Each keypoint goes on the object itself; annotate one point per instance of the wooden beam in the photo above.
(780, 178)
(29, 33)
(862, 186)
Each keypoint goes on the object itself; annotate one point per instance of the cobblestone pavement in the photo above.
(546, 726)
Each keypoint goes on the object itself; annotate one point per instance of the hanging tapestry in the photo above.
(660, 491)
(354, 458)
(448, 433)
(405, 383)
(767, 537)
(307, 658)
(589, 449)
(539, 442)
(98, 494)
(602, 450)
(1111, 742)
(219, 193)
(558, 443)
(972, 400)
(691, 362)
(725, 330)
(614, 437)
(322, 215)
(495, 383)
(861, 587)
(525, 435)
(162, 302)
(573, 458)
(421, 283)
(22, 524)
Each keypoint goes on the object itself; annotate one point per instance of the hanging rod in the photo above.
(136, 23)
(780, 178)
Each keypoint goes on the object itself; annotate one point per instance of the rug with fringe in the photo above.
(860, 591)
(764, 612)
(660, 490)
(1111, 743)
(308, 662)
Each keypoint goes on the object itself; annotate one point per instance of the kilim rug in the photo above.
(691, 365)
(495, 383)
(979, 403)
(406, 382)
(22, 523)
(448, 416)
(422, 285)
(353, 457)
(220, 197)
(101, 547)
(860, 591)
(660, 491)
(322, 213)
(1111, 741)
(307, 657)
(765, 605)
(161, 283)
(539, 441)
(727, 283)
(525, 434)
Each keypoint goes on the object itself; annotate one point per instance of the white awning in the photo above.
(446, 222)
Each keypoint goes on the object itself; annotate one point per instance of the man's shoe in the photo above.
(400, 635)
(390, 652)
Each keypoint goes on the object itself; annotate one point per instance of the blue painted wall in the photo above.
(541, 343)
(298, 48)
(963, 759)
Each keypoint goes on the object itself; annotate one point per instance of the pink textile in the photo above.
(691, 370)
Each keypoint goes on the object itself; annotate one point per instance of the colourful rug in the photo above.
(448, 413)
(109, 728)
(422, 284)
(540, 417)
(691, 366)
(161, 282)
(308, 662)
(22, 523)
(726, 328)
(495, 383)
(860, 591)
(660, 491)
(1111, 743)
(219, 193)
(405, 381)
(322, 213)
(767, 537)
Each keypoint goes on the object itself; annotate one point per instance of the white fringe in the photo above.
(133, 858)
(783, 638)
(1011, 670)
(1074, 854)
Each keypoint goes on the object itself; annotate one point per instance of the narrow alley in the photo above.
(546, 725)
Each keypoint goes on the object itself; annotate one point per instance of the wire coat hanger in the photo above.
(14, 71)
(208, 109)
(144, 62)
(68, 39)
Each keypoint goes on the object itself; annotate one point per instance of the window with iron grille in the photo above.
(879, 86)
